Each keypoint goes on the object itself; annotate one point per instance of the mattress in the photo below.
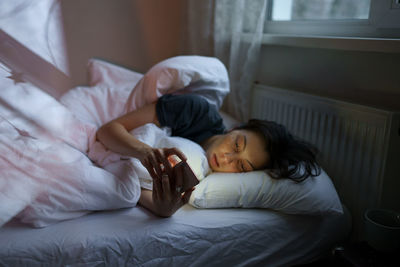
(191, 237)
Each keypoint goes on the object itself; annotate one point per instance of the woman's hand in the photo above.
(156, 160)
(166, 199)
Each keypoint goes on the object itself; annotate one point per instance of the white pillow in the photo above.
(258, 190)
(206, 76)
(105, 99)
(108, 74)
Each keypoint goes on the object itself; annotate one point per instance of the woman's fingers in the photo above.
(157, 190)
(149, 168)
(162, 159)
(156, 162)
(158, 159)
(174, 151)
(165, 186)
(164, 176)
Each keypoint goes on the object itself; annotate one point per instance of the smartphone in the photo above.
(189, 178)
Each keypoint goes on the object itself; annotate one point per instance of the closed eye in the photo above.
(237, 144)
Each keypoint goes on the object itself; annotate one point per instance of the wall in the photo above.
(138, 34)
(370, 78)
(358, 76)
(133, 33)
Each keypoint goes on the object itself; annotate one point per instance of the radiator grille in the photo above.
(352, 140)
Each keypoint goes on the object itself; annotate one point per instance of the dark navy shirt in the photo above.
(189, 116)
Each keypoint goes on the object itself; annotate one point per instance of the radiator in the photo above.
(359, 145)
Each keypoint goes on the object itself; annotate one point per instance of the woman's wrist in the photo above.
(147, 201)
(142, 152)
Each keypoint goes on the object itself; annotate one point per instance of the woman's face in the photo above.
(237, 151)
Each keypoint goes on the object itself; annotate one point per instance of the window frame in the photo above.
(383, 22)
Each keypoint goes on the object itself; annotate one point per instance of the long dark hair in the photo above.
(289, 157)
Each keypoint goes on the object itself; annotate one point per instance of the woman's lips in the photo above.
(215, 160)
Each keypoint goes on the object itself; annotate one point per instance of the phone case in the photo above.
(189, 178)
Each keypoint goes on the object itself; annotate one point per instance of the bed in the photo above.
(45, 224)
(122, 235)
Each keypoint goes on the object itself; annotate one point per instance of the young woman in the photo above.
(252, 146)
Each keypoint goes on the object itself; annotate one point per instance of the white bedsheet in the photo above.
(192, 237)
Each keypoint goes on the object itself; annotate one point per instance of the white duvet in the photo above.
(51, 166)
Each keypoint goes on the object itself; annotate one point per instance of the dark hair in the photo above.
(289, 157)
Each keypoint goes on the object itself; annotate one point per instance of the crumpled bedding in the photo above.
(51, 166)
(192, 237)
(36, 151)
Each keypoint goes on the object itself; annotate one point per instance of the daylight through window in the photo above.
(284, 10)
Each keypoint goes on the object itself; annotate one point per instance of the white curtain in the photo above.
(230, 30)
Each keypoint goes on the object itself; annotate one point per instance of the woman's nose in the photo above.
(229, 157)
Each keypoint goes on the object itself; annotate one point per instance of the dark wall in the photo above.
(364, 77)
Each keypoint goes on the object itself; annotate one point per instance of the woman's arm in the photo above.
(116, 137)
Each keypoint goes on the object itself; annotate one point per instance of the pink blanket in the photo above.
(51, 166)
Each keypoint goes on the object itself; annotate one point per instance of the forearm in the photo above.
(146, 200)
(116, 138)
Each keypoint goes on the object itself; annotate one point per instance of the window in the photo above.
(352, 18)
(319, 10)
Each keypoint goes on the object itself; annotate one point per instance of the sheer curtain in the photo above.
(230, 30)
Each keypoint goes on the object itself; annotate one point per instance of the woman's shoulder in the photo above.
(184, 102)
(184, 97)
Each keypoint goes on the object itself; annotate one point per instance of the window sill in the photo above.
(340, 43)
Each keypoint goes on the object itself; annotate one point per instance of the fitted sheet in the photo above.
(211, 237)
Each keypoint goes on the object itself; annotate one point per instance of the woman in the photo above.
(253, 146)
